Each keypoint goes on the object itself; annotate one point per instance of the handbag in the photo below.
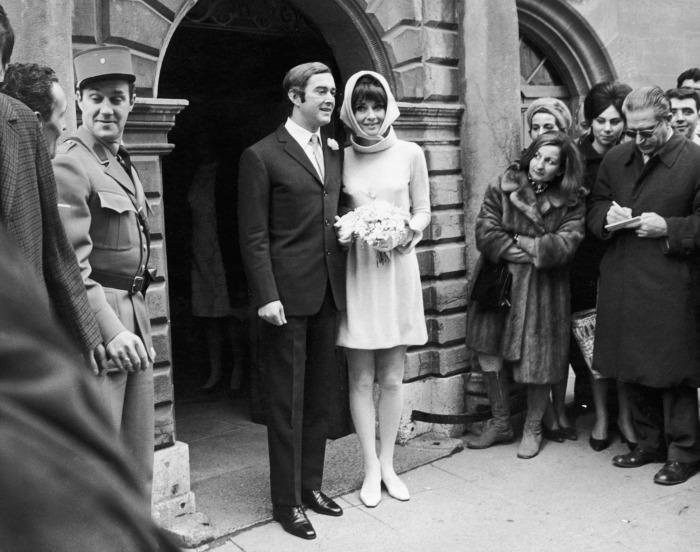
(491, 288)
(583, 330)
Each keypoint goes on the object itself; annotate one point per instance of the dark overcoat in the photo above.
(533, 334)
(648, 304)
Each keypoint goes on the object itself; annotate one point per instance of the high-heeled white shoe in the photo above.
(371, 491)
(395, 487)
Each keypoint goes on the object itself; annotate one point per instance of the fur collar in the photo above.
(522, 195)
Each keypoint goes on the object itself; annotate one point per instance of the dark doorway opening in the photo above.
(231, 73)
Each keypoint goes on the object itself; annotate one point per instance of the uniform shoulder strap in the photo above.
(97, 149)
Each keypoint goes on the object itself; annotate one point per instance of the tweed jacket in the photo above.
(28, 203)
(286, 216)
(97, 207)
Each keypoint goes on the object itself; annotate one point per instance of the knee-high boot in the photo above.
(537, 397)
(498, 428)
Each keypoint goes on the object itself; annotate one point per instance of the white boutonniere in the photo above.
(332, 144)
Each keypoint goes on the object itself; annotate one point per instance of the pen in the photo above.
(616, 204)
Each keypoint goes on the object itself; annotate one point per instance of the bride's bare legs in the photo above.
(361, 371)
(390, 369)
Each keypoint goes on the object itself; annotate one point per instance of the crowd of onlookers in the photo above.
(600, 239)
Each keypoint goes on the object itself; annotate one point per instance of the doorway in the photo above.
(230, 68)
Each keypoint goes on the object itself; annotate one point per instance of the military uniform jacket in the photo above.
(29, 212)
(97, 205)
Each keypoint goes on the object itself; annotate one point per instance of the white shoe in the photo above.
(395, 487)
(371, 492)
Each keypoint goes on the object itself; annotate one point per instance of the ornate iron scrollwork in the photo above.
(274, 17)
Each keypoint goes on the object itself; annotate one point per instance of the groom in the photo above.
(289, 188)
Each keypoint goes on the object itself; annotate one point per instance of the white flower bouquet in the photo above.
(380, 224)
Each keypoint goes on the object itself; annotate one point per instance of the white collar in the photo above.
(300, 134)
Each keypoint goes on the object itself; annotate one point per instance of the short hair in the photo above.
(692, 74)
(684, 94)
(32, 85)
(603, 95)
(368, 88)
(571, 182)
(648, 97)
(298, 77)
(7, 38)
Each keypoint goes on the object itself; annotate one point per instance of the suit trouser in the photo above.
(297, 358)
(130, 398)
(666, 419)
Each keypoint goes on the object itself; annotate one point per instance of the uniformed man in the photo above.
(103, 208)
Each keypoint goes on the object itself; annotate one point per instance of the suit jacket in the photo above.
(66, 483)
(286, 216)
(28, 203)
(96, 202)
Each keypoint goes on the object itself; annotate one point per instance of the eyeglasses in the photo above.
(644, 133)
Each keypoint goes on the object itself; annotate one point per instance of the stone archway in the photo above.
(416, 46)
(569, 42)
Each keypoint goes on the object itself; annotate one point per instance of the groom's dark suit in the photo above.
(291, 254)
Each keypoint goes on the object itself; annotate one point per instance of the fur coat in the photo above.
(533, 334)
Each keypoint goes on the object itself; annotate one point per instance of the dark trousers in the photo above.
(666, 420)
(297, 358)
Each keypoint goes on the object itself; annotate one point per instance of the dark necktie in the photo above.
(124, 159)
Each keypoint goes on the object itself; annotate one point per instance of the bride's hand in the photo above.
(343, 231)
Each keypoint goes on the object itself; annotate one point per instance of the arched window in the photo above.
(538, 79)
(560, 54)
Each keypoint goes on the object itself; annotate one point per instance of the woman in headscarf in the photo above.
(384, 300)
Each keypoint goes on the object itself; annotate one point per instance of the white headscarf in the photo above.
(348, 117)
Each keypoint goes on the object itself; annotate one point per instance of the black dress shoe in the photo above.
(599, 444)
(320, 503)
(554, 435)
(294, 521)
(638, 457)
(674, 473)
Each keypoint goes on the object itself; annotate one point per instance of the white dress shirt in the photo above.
(303, 137)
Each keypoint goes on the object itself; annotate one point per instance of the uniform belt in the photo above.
(125, 283)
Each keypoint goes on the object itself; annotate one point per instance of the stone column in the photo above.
(43, 35)
(490, 82)
(146, 137)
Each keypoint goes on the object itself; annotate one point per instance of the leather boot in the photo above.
(537, 397)
(498, 428)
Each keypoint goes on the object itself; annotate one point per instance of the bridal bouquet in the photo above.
(379, 224)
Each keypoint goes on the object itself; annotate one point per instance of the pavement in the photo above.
(568, 498)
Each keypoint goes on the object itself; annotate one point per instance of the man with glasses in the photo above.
(646, 204)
